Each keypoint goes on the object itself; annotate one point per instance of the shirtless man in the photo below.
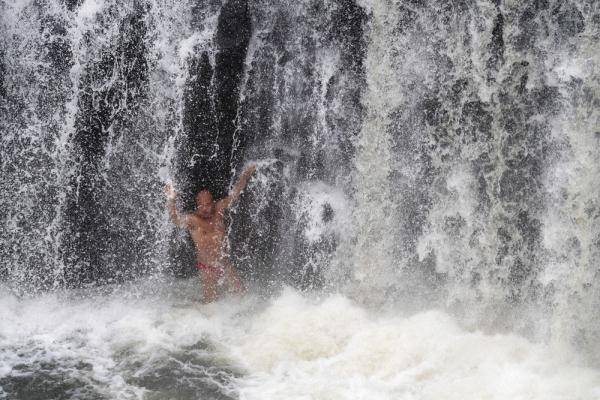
(208, 233)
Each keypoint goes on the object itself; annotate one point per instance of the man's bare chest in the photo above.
(212, 229)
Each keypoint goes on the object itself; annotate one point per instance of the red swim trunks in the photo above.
(209, 268)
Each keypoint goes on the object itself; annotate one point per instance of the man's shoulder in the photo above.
(191, 219)
(221, 205)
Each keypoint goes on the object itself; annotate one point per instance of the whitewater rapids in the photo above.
(161, 343)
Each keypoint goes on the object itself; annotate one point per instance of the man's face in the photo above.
(204, 204)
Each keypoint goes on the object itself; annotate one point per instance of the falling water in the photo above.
(423, 223)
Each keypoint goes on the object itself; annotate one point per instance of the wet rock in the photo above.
(573, 245)
(529, 26)
(516, 187)
(519, 273)
(546, 99)
(529, 228)
(458, 87)
(196, 146)
(476, 122)
(233, 35)
(434, 112)
(348, 28)
(2, 76)
(595, 21)
(483, 197)
(57, 45)
(568, 18)
(327, 213)
(234, 26)
(453, 225)
(496, 45)
(407, 18)
(73, 4)
(88, 248)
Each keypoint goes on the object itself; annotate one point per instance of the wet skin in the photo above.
(207, 229)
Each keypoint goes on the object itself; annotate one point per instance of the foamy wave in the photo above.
(167, 346)
(332, 349)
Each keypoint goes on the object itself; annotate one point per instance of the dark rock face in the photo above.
(94, 250)
(347, 29)
(2, 76)
(568, 18)
(73, 4)
(496, 45)
(34, 90)
(198, 145)
(233, 35)
(211, 107)
(476, 122)
(285, 92)
(58, 46)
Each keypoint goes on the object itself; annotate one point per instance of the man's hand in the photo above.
(170, 192)
(249, 170)
(174, 216)
(238, 187)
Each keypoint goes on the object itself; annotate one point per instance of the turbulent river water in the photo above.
(162, 344)
(424, 221)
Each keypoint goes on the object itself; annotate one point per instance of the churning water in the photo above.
(166, 346)
(424, 222)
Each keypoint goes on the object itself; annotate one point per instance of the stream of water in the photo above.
(424, 222)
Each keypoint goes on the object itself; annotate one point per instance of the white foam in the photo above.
(89, 9)
(313, 199)
(294, 348)
(333, 349)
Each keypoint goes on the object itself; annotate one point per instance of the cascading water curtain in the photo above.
(474, 166)
(421, 153)
(144, 92)
(91, 107)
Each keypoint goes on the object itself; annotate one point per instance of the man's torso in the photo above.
(208, 236)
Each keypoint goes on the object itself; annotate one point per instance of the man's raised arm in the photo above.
(173, 214)
(238, 187)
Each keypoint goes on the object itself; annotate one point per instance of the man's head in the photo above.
(204, 204)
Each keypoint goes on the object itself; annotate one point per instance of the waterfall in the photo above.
(412, 154)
